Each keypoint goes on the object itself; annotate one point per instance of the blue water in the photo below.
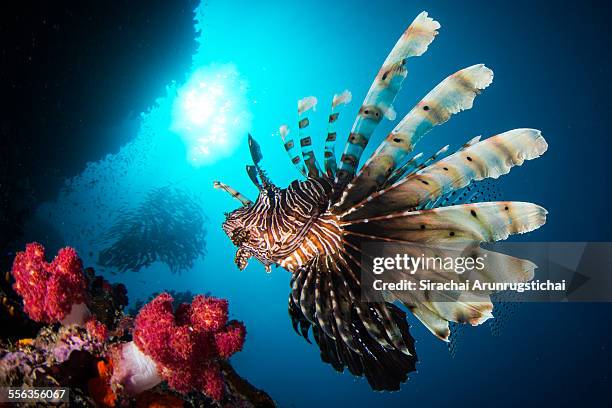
(550, 63)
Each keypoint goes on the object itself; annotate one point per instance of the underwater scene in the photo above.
(256, 204)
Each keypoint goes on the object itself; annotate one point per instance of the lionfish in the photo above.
(315, 228)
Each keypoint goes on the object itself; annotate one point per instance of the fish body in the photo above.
(317, 226)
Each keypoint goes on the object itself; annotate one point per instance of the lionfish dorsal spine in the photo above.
(255, 172)
(305, 105)
(292, 150)
(329, 153)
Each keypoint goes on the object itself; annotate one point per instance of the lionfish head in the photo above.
(244, 226)
(241, 227)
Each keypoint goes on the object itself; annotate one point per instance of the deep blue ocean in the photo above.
(551, 62)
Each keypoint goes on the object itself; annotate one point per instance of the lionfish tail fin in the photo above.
(330, 141)
(454, 94)
(379, 99)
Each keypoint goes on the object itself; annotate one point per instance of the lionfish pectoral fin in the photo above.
(451, 232)
(489, 158)
(234, 193)
(379, 99)
(453, 95)
(436, 308)
(477, 222)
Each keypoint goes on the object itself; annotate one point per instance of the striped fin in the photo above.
(305, 105)
(370, 339)
(292, 150)
(478, 222)
(324, 315)
(453, 95)
(330, 141)
(234, 193)
(379, 100)
(436, 308)
(492, 158)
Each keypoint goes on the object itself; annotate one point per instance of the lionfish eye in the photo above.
(239, 236)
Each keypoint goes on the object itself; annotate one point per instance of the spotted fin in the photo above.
(379, 99)
(435, 309)
(234, 193)
(478, 222)
(304, 106)
(490, 158)
(330, 141)
(413, 165)
(453, 95)
(292, 150)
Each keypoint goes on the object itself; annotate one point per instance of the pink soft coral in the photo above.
(185, 346)
(51, 292)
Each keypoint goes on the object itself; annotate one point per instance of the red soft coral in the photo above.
(50, 290)
(187, 345)
(30, 273)
(230, 339)
(96, 330)
(208, 313)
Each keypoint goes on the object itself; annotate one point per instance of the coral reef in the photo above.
(53, 291)
(168, 227)
(165, 356)
(183, 347)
